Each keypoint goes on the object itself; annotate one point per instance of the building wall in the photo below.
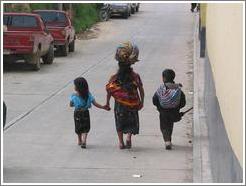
(224, 44)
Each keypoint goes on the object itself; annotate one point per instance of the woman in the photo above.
(127, 89)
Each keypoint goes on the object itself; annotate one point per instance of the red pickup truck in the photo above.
(60, 26)
(26, 37)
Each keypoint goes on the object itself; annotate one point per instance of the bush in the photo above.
(85, 15)
(39, 6)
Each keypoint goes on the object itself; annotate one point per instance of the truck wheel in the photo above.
(49, 57)
(125, 15)
(72, 46)
(65, 49)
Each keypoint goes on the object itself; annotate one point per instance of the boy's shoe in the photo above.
(121, 146)
(168, 145)
(83, 146)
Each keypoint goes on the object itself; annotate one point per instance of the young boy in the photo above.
(168, 99)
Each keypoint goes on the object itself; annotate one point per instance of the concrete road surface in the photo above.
(40, 145)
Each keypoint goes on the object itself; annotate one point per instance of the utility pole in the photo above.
(59, 5)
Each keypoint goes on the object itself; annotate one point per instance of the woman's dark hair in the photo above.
(124, 76)
(169, 75)
(82, 87)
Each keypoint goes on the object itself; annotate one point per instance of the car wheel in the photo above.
(126, 15)
(103, 15)
(49, 57)
(137, 9)
(72, 46)
(132, 11)
(65, 49)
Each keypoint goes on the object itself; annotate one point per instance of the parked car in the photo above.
(26, 37)
(133, 8)
(123, 9)
(137, 7)
(105, 12)
(60, 26)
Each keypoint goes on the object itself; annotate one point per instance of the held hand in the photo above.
(107, 107)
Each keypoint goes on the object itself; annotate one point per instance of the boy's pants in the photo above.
(166, 126)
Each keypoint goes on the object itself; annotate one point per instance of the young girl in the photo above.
(82, 101)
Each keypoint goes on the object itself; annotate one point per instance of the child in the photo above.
(82, 101)
(169, 99)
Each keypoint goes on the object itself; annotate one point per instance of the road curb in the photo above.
(201, 162)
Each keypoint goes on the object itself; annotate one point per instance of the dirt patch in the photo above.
(90, 33)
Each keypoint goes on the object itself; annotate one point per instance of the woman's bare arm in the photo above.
(141, 91)
(99, 105)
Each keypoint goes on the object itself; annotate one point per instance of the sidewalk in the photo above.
(201, 161)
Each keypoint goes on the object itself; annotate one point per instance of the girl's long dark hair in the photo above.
(124, 76)
(82, 87)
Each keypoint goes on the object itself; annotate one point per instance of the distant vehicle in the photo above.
(123, 9)
(133, 8)
(137, 7)
(60, 26)
(105, 12)
(26, 37)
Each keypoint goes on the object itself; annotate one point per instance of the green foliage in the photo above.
(39, 6)
(85, 15)
(17, 7)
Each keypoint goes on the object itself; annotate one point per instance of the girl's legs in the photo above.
(121, 142)
(79, 139)
(129, 140)
(84, 137)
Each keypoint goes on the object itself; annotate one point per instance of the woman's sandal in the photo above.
(128, 144)
(121, 146)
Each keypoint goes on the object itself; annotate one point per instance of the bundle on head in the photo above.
(82, 87)
(127, 53)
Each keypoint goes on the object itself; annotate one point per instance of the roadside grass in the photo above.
(85, 15)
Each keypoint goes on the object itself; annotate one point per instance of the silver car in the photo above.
(123, 9)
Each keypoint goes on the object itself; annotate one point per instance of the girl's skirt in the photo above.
(82, 121)
(126, 120)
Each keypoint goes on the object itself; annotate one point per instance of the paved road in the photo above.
(40, 146)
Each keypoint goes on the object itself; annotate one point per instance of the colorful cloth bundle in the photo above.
(122, 96)
(169, 97)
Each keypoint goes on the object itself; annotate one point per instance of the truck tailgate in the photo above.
(17, 42)
(58, 34)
